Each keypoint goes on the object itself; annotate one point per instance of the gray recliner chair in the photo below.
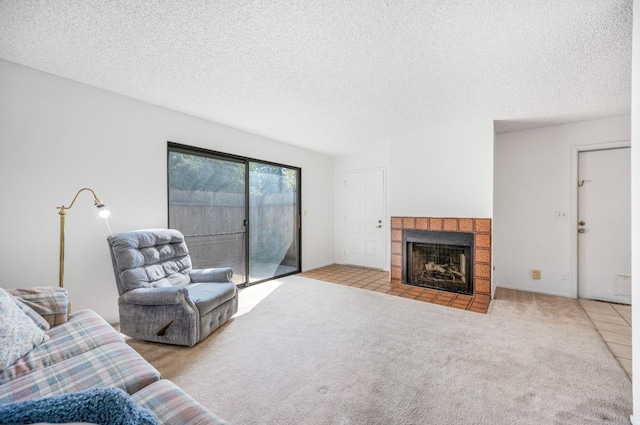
(162, 299)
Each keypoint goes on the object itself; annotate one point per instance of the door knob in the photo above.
(379, 226)
(582, 230)
(581, 223)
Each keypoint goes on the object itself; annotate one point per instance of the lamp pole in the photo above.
(63, 214)
(103, 212)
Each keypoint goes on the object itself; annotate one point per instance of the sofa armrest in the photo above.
(155, 296)
(50, 302)
(221, 274)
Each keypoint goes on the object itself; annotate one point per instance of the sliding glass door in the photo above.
(273, 221)
(207, 203)
(235, 212)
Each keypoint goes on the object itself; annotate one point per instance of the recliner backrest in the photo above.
(150, 258)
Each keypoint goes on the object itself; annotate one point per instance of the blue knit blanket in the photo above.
(102, 406)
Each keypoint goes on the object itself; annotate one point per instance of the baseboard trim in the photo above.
(557, 294)
(308, 269)
(341, 264)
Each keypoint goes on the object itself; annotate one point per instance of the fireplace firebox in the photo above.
(438, 260)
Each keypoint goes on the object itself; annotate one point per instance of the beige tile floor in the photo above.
(613, 321)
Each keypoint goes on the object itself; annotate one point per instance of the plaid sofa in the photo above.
(83, 352)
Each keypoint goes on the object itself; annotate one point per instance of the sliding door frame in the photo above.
(208, 153)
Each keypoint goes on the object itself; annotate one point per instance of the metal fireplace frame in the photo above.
(461, 239)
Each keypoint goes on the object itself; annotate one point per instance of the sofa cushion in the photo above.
(173, 406)
(111, 365)
(84, 331)
(18, 334)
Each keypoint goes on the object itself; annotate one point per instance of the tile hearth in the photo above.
(378, 280)
(480, 228)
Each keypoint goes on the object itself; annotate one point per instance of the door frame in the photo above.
(386, 221)
(573, 211)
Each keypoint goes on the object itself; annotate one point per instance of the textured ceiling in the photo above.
(339, 76)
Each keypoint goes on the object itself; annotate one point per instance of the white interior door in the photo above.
(364, 218)
(604, 225)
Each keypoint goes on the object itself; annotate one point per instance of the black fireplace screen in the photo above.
(439, 260)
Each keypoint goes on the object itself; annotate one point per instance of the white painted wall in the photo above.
(635, 209)
(493, 248)
(443, 172)
(437, 172)
(532, 180)
(376, 159)
(57, 136)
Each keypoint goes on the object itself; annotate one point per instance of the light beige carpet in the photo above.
(301, 351)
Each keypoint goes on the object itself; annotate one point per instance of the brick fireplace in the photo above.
(479, 229)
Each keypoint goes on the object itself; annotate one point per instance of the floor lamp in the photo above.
(101, 211)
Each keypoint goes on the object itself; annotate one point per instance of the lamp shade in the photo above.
(102, 211)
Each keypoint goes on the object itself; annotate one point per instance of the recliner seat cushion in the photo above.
(207, 296)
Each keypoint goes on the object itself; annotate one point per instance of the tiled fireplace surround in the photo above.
(479, 227)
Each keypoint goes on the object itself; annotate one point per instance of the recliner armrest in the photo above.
(221, 274)
(155, 296)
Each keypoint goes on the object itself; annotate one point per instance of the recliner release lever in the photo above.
(163, 331)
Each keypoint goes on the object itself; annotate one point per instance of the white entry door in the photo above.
(364, 243)
(604, 225)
